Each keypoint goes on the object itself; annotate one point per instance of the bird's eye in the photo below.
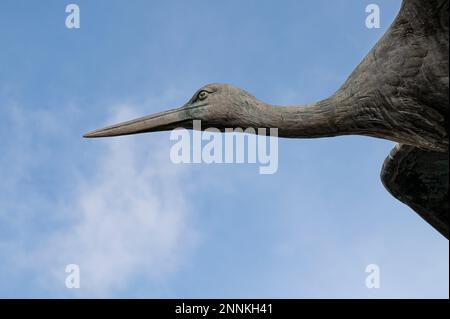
(202, 95)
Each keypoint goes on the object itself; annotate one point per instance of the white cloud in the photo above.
(128, 219)
(132, 218)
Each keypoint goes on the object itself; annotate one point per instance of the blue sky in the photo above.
(140, 226)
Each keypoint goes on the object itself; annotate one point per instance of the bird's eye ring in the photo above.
(202, 95)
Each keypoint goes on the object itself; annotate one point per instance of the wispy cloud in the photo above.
(128, 218)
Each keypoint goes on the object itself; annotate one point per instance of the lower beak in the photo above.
(163, 121)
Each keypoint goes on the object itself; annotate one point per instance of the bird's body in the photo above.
(398, 92)
(401, 86)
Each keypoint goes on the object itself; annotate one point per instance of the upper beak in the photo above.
(163, 121)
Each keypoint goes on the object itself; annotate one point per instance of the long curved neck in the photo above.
(326, 118)
(308, 121)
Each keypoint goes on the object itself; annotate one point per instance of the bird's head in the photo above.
(216, 105)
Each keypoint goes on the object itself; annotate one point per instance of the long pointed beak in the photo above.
(163, 121)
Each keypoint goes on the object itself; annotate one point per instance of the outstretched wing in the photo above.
(419, 179)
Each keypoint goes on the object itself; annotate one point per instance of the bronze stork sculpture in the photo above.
(398, 92)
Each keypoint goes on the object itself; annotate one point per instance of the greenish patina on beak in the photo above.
(163, 121)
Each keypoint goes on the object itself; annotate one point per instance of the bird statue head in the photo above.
(216, 105)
